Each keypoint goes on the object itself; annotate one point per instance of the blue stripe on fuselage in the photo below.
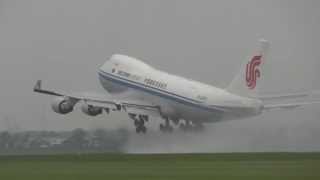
(156, 91)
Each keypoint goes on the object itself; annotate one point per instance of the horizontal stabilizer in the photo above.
(289, 105)
(283, 96)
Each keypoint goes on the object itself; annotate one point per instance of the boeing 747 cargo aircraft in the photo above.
(177, 100)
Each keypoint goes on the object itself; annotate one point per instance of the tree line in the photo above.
(75, 141)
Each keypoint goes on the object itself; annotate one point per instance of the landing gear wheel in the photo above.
(141, 129)
(186, 127)
(138, 130)
(139, 122)
(161, 127)
(170, 129)
(175, 121)
(166, 127)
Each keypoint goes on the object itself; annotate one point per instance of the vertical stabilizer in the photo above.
(247, 81)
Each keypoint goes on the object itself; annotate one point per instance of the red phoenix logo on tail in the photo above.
(252, 72)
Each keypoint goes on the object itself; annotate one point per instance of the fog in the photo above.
(64, 42)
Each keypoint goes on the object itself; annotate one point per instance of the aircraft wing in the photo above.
(138, 107)
(135, 107)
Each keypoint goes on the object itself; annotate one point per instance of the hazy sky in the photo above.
(63, 42)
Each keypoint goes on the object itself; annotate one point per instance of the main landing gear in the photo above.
(166, 127)
(139, 122)
(188, 126)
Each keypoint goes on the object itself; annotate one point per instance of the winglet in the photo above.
(289, 106)
(37, 86)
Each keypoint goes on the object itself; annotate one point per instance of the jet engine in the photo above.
(62, 105)
(91, 110)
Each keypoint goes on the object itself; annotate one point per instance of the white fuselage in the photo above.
(177, 97)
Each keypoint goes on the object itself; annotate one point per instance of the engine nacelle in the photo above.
(62, 105)
(91, 110)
